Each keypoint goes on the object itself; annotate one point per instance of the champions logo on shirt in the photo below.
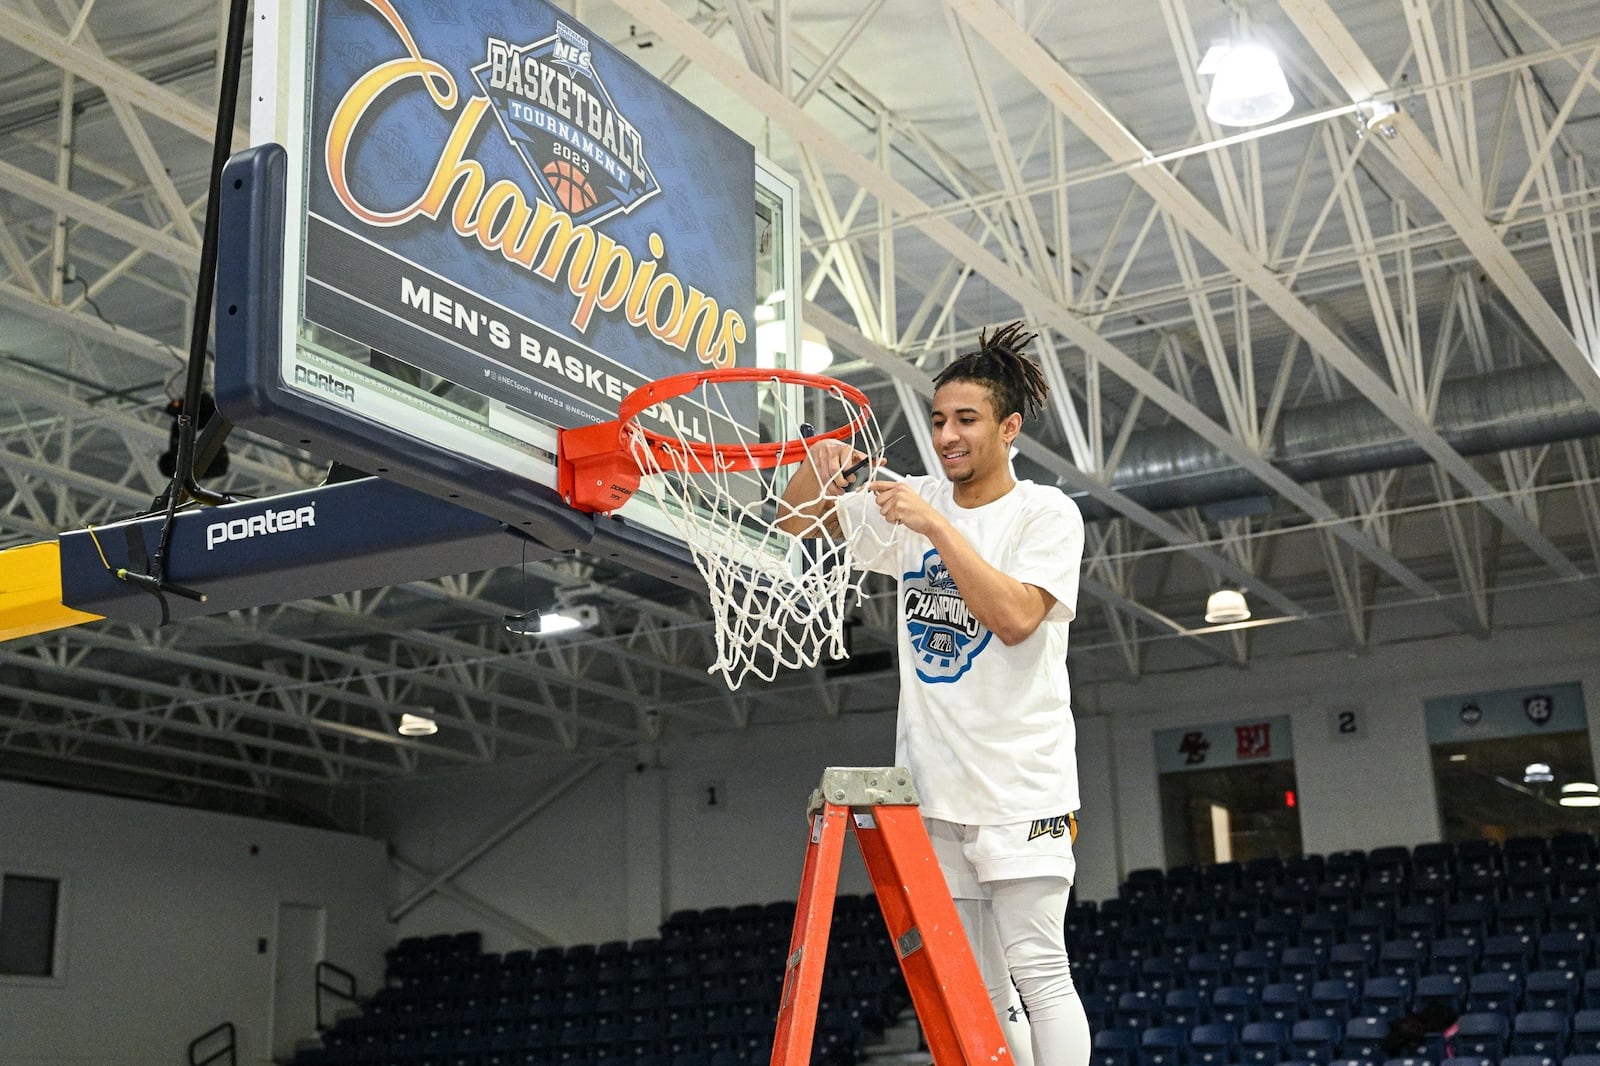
(945, 637)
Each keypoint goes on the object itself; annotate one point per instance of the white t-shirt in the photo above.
(985, 729)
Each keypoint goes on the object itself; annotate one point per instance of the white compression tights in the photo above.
(1020, 943)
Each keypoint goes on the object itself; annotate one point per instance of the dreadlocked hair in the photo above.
(1014, 382)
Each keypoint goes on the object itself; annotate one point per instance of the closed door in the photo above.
(299, 947)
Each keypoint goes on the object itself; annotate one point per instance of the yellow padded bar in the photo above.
(30, 592)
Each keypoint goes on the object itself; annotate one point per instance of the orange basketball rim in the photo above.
(597, 473)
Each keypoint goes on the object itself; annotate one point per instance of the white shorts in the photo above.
(973, 855)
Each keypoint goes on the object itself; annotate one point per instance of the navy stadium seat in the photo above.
(1507, 953)
(1333, 998)
(1206, 971)
(1385, 997)
(1316, 1040)
(1363, 1039)
(1586, 1031)
(1114, 1047)
(1417, 921)
(1520, 917)
(1454, 955)
(1253, 969)
(1163, 1045)
(1539, 1032)
(1401, 958)
(1263, 1043)
(1185, 1007)
(1301, 965)
(1497, 991)
(1440, 989)
(1481, 1034)
(1212, 1045)
(1565, 950)
(1473, 919)
(1322, 930)
(1570, 915)
(1350, 962)
(1551, 990)
(1135, 1010)
(1284, 1001)
(1235, 1005)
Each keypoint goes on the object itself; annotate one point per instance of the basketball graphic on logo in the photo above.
(570, 186)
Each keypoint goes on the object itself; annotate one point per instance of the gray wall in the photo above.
(161, 911)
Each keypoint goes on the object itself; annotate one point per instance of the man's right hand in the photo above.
(820, 476)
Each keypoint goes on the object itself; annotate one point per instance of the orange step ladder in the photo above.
(880, 804)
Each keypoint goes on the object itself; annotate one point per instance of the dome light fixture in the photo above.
(416, 725)
(1580, 794)
(1226, 605)
(1537, 773)
(1247, 86)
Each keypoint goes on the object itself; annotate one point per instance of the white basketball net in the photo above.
(779, 602)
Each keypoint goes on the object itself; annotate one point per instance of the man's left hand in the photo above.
(901, 505)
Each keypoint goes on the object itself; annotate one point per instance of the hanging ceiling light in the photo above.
(416, 725)
(1580, 794)
(1537, 773)
(1226, 605)
(1247, 85)
(772, 341)
(545, 623)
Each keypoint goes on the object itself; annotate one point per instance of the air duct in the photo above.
(1170, 467)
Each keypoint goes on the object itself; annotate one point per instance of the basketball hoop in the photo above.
(779, 601)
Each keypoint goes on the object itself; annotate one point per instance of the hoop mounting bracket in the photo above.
(594, 472)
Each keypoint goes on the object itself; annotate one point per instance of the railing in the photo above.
(345, 990)
(227, 1050)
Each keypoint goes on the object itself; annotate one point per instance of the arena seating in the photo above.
(1337, 951)
(703, 993)
(1314, 960)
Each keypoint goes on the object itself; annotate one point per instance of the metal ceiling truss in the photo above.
(1405, 227)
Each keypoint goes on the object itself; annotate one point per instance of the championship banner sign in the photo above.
(1509, 712)
(497, 197)
(1211, 747)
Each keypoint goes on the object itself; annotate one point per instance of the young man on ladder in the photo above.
(988, 580)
